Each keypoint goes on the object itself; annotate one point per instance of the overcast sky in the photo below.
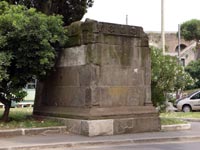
(145, 13)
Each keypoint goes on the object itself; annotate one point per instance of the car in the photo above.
(189, 103)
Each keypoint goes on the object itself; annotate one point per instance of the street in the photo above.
(155, 146)
(173, 140)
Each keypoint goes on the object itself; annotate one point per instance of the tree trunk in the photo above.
(5, 116)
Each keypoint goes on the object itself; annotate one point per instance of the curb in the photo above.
(63, 129)
(102, 142)
(33, 131)
(176, 127)
(191, 119)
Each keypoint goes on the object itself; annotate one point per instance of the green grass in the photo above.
(181, 115)
(172, 117)
(171, 121)
(21, 118)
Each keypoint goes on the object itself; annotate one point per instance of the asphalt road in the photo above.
(155, 146)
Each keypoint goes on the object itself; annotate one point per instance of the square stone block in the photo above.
(97, 127)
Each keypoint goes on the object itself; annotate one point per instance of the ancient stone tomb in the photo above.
(101, 85)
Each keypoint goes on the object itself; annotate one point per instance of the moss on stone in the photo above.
(75, 34)
(92, 55)
(125, 58)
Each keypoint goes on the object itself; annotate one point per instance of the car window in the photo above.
(190, 94)
(196, 96)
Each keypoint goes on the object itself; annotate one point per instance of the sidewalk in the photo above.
(68, 140)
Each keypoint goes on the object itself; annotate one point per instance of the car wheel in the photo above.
(186, 108)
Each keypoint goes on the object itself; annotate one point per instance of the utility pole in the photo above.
(126, 19)
(162, 27)
(179, 41)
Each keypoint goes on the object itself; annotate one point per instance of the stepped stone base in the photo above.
(112, 126)
(104, 121)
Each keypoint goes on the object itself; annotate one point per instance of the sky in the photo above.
(145, 13)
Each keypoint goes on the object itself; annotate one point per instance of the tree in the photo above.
(167, 76)
(71, 10)
(193, 68)
(28, 44)
(190, 30)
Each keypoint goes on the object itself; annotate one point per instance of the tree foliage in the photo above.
(167, 76)
(71, 10)
(193, 68)
(28, 43)
(190, 30)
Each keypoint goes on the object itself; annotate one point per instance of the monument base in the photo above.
(127, 121)
(112, 126)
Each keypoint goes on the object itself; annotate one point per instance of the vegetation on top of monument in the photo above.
(193, 68)
(71, 10)
(167, 76)
(190, 30)
(28, 44)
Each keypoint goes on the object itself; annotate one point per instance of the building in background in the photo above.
(188, 51)
(28, 101)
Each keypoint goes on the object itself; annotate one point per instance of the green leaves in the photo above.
(190, 30)
(167, 75)
(28, 44)
(5, 60)
(193, 69)
(71, 10)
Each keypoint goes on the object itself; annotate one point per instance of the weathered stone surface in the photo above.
(64, 76)
(73, 125)
(60, 96)
(74, 56)
(112, 126)
(148, 95)
(97, 127)
(93, 96)
(124, 126)
(105, 73)
(134, 125)
(119, 76)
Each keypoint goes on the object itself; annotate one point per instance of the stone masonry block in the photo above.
(119, 76)
(97, 127)
(65, 96)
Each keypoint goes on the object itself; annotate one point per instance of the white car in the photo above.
(189, 103)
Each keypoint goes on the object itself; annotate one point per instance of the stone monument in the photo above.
(101, 85)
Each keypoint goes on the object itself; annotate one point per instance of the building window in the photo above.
(183, 62)
(31, 85)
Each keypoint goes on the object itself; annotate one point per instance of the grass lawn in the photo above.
(21, 118)
(171, 121)
(171, 118)
(181, 115)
